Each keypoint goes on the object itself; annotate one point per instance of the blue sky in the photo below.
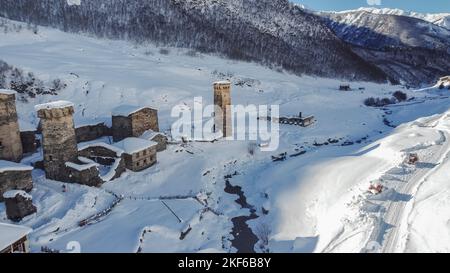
(430, 6)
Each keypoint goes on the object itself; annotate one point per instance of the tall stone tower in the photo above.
(10, 143)
(58, 138)
(222, 99)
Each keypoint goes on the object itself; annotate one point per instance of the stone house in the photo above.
(14, 176)
(157, 137)
(14, 238)
(345, 87)
(133, 121)
(139, 154)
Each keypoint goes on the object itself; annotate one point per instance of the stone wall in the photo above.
(58, 141)
(162, 142)
(89, 177)
(92, 132)
(15, 180)
(121, 127)
(18, 207)
(29, 142)
(97, 151)
(106, 157)
(10, 143)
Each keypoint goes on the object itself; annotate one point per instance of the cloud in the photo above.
(374, 2)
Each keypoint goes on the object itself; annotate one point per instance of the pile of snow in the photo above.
(222, 82)
(7, 92)
(112, 171)
(444, 81)
(133, 145)
(9, 166)
(14, 193)
(10, 234)
(54, 105)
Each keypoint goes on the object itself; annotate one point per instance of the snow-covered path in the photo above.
(391, 231)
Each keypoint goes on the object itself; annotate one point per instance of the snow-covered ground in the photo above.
(313, 202)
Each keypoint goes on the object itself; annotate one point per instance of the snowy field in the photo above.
(313, 202)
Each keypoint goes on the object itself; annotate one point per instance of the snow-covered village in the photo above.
(217, 126)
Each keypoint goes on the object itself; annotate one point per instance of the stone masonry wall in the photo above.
(15, 180)
(122, 128)
(10, 143)
(144, 120)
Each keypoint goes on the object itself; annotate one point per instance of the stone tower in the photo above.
(59, 142)
(10, 143)
(222, 99)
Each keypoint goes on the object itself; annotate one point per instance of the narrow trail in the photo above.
(390, 229)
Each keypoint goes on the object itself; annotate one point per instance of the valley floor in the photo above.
(313, 202)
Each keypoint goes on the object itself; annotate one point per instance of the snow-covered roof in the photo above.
(53, 105)
(126, 110)
(10, 234)
(14, 193)
(115, 149)
(133, 145)
(7, 92)
(150, 134)
(82, 167)
(9, 166)
(222, 82)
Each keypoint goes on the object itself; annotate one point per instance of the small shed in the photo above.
(14, 238)
(345, 87)
(139, 153)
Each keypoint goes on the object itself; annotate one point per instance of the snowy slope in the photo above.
(310, 202)
(272, 32)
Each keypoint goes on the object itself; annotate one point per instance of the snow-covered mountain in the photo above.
(276, 33)
(409, 49)
(440, 19)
